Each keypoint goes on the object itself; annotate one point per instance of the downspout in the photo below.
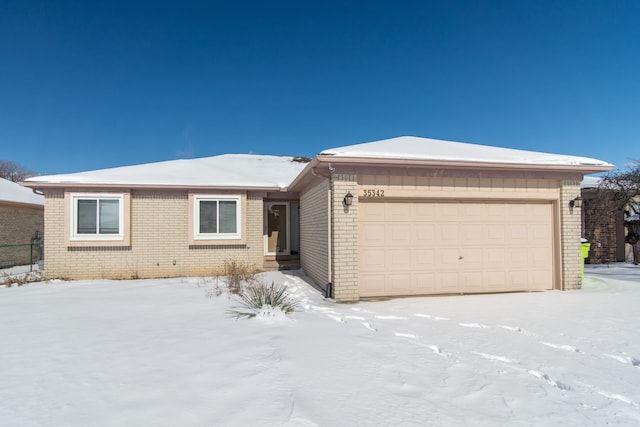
(329, 287)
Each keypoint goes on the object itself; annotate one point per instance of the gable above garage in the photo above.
(433, 216)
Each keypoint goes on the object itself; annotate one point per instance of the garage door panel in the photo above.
(537, 213)
(537, 232)
(495, 233)
(472, 257)
(372, 233)
(423, 211)
(518, 257)
(496, 280)
(424, 283)
(516, 233)
(372, 259)
(372, 284)
(472, 281)
(493, 212)
(519, 211)
(398, 234)
(398, 260)
(374, 211)
(449, 233)
(398, 284)
(519, 279)
(472, 233)
(447, 281)
(495, 256)
(447, 210)
(413, 248)
(423, 259)
(448, 257)
(424, 234)
(396, 211)
(538, 280)
(538, 256)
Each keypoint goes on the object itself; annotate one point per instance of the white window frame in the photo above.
(216, 236)
(75, 236)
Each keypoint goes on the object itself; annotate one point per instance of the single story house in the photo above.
(402, 216)
(21, 222)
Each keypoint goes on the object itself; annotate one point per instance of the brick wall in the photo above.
(159, 242)
(314, 233)
(604, 240)
(604, 229)
(19, 225)
(344, 248)
(570, 235)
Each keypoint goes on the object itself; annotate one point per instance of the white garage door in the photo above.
(417, 247)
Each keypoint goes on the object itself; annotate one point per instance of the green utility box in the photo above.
(586, 247)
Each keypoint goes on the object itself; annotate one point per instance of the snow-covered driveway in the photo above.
(162, 353)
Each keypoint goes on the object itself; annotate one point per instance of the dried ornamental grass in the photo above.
(258, 298)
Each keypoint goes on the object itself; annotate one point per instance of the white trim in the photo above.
(85, 237)
(288, 228)
(216, 198)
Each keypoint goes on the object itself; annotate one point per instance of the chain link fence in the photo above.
(22, 254)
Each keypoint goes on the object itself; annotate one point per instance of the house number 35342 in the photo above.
(373, 193)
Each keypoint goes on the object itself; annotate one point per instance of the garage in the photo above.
(424, 246)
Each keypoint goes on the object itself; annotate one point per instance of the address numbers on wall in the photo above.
(373, 193)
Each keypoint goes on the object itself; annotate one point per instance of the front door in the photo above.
(277, 228)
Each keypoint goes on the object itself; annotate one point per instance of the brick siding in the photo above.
(344, 248)
(314, 233)
(570, 235)
(159, 242)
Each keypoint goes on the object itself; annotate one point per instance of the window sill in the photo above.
(216, 242)
(98, 243)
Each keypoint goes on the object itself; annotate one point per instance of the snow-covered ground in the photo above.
(166, 353)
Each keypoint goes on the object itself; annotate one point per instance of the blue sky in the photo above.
(88, 85)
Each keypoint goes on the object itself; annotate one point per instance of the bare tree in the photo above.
(13, 171)
(619, 192)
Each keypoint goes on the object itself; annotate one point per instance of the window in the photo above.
(97, 217)
(217, 217)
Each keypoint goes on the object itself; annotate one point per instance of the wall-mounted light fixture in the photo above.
(348, 199)
(576, 203)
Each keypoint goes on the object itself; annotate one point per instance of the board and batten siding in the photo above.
(159, 242)
(314, 233)
(412, 187)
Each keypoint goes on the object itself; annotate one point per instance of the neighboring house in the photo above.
(403, 216)
(605, 232)
(21, 222)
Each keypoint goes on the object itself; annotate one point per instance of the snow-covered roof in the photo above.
(590, 182)
(14, 193)
(264, 171)
(415, 148)
(228, 170)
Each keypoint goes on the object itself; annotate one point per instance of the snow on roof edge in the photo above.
(418, 148)
(11, 192)
(271, 171)
(227, 170)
